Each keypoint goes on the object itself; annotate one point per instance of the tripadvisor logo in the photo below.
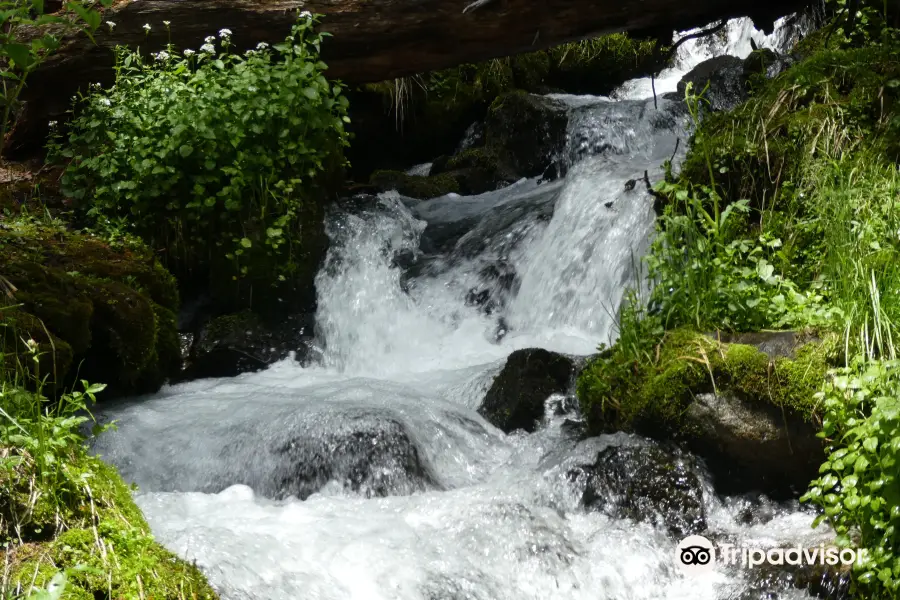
(696, 555)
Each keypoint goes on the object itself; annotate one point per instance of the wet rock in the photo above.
(414, 186)
(645, 483)
(765, 63)
(528, 132)
(725, 75)
(750, 444)
(476, 170)
(516, 398)
(497, 283)
(368, 454)
(233, 344)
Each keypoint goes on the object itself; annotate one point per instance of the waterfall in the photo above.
(369, 475)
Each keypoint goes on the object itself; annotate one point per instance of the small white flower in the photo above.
(105, 101)
(207, 48)
(161, 55)
(262, 46)
(167, 23)
(52, 124)
(306, 14)
(224, 33)
(111, 25)
(189, 52)
(209, 39)
(147, 27)
(31, 344)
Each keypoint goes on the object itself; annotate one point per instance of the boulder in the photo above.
(239, 343)
(725, 76)
(99, 312)
(476, 170)
(744, 403)
(645, 483)
(526, 131)
(371, 455)
(516, 398)
(414, 186)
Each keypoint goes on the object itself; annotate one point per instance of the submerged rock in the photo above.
(822, 581)
(368, 454)
(645, 483)
(516, 398)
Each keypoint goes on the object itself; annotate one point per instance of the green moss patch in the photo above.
(105, 550)
(619, 394)
(106, 313)
(415, 186)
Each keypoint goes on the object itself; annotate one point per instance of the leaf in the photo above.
(185, 150)
(246, 243)
(20, 54)
(38, 6)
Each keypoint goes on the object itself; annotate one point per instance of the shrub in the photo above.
(859, 489)
(211, 156)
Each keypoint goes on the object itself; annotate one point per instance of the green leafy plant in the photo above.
(38, 436)
(27, 37)
(707, 271)
(858, 487)
(210, 155)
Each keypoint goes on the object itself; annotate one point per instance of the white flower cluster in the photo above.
(209, 39)
(105, 101)
(111, 25)
(208, 49)
(224, 33)
(162, 55)
(147, 27)
(306, 14)
(189, 52)
(262, 46)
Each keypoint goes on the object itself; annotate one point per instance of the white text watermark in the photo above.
(696, 555)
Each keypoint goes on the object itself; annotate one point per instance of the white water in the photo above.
(470, 513)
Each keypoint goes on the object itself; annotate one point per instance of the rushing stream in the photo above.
(369, 474)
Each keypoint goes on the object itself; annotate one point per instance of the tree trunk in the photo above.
(373, 40)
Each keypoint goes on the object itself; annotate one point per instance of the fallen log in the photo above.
(373, 40)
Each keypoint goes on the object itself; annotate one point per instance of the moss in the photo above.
(101, 305)
(108, 551)
(415, 186)
(655, 395)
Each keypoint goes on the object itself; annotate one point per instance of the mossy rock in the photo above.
(109, 312)
(415, 186)
(476, 170)
(527, 132)
(107, 551)
(753, 416)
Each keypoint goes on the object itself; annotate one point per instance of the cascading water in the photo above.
(369, 475)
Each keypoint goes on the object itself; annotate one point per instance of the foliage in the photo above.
(27, 37)
(213, 154)
(707, 272)
(39, 439)
(859, 488)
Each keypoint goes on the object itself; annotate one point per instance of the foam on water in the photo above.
(408, 493)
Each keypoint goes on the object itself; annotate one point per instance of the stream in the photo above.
(369, 474)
